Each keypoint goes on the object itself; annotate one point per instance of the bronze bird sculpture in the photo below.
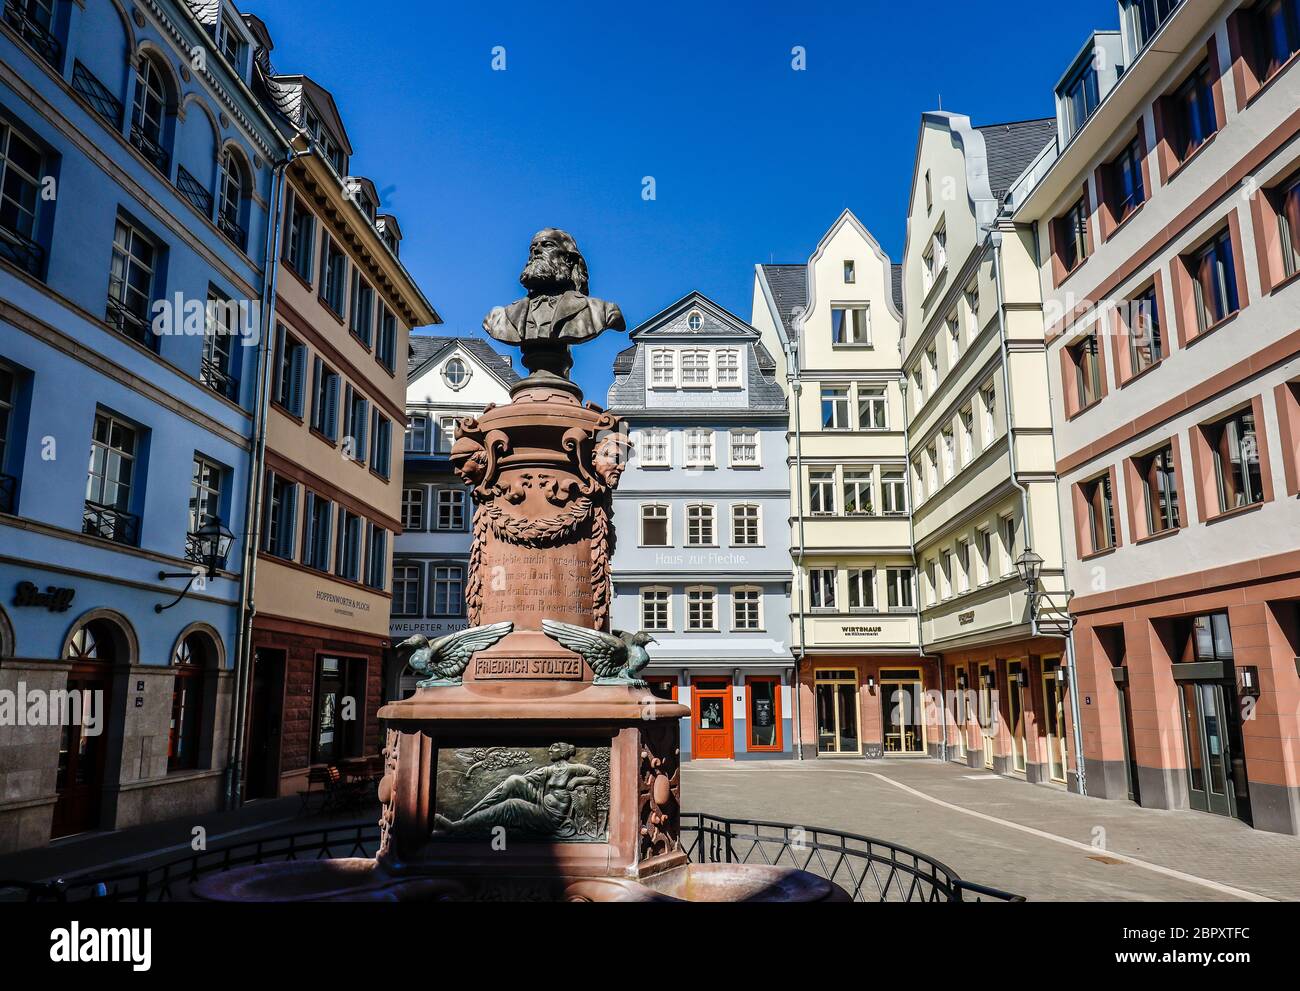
(447, 657)
(616, 658)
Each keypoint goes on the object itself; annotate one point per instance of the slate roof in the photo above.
(789, 285)
(427, 348)
(1011, 147)
(628, 393)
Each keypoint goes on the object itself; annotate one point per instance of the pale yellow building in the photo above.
(981, 461)
(835, 324)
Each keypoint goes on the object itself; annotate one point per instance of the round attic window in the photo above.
(455, 373)
(694, 321)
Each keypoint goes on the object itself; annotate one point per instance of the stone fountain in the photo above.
(533, 764)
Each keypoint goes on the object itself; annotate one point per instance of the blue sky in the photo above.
(752, 160)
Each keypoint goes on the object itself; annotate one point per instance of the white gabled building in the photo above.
(448, 378)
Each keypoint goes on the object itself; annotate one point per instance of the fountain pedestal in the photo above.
(524, 770)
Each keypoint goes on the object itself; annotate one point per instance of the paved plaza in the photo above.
(1040, 842)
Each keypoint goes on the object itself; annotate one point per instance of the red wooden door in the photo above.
(711, 720)
(80, 780)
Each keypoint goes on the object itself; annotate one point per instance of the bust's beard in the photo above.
(543, 276)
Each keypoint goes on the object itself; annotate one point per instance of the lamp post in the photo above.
(1029, 566)
(212, 541)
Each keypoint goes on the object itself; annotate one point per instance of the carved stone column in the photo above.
(541, 472)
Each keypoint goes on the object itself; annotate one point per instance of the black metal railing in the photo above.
(36, 35)
(171, 881)
(127, 321)
(869, 870)
(150, 149)
(95, 93)
(109, 523)
(231, 227)
(193, 190)
(217, 379)
(8, 493)
(20, 250)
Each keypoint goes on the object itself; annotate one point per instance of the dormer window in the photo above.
(1145, 18)
(232, 44)
(1079, 99)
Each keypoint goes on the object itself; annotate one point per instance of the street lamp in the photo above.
(211, 545)
(1029, 566)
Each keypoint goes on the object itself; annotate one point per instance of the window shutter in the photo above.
(288, 527)
(331, 426)
(297, 375)
(317, 411)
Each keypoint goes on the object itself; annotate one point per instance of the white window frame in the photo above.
(875, 398)
(829, 507)
(963, 566)
(737, 591)
(667, 517)
(423, 494)
(668, 381)
(855, 325)
(819, 584)
(456, 505)
(731, 354)
(656, 612)
(736, 462)
(701, 594)
(897, 579)
(693, 358)
(697, 511)
(862, 580)
(902, 509)
(758, 524)
(870, 484)
(654, 435)
(691, 438)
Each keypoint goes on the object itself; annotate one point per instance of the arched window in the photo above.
(96, 640)
(150, 111)
(191, 657)
(233, 194)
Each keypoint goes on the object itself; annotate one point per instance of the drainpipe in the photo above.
(253, 503)
(994, 243)
(796, 391)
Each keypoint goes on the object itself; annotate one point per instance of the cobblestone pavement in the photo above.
(1038, 841)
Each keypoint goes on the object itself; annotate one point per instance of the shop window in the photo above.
(763, 712)
(338, 726)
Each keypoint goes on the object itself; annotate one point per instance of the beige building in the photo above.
(1169, 234)
(332, 493)
(834, 324)
(979, 440)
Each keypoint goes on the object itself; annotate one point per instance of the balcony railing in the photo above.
(127, 321)
(101, 100)
(230, 227)
(36, 35)
(109, 523)
(151, 150)
(193, 190)
(22, 251)
(868, 870)
(8, 493)
(215, 378)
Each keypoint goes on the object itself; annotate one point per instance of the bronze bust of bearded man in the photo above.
(557, 312)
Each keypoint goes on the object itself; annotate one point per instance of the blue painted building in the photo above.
(702, 558)
(136, 169)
